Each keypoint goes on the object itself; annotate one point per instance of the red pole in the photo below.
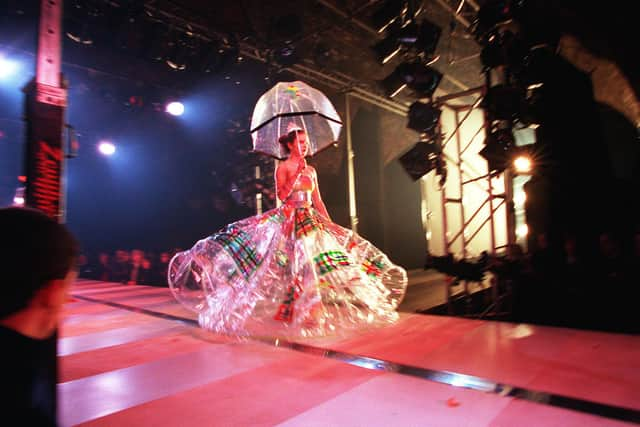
(46, 99)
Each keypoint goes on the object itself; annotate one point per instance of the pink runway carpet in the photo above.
(132, 356)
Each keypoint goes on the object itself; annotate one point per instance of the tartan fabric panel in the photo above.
(306, 222)
(238, 244)
(373, 268)
(278, 217)
(286, 309)
(329, 261)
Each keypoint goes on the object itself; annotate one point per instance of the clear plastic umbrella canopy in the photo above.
(293, 105)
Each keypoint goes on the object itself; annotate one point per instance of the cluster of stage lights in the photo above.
(108, 148)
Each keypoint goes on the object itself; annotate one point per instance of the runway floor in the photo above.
(131, 355)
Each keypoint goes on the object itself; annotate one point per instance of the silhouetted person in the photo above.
(611, 263)
(121, 266)
(145, 273)
(103, 270)
(159, 270)
(135, 269)
(613, 289)
(38, 263)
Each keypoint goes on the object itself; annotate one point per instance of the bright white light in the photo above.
(520, 197)
(7, 67)
(18, 198)
(522, 164)
(175, 108)
(522, 230)
(106, 148)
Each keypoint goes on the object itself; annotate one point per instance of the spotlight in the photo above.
(175, 108)
(422, 79)
(522, 230)
(503, 49)
(7, 67)
(182, 48)
(395, 82)
(392, 11)
(422, 39)
(18, 199)
(106, 148)
(496, 149)
(522, 164)
(532, 109)
(286, 56)
(77, 25)
(536, 65)
(503, 102)
(428, 37)
(214, 56)
(423, 117)
(387, 48)
(322, 55)
(420, 159)
(492, 14)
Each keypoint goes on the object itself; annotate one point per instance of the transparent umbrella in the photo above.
(293, 105)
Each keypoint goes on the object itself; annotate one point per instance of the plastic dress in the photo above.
(288, 272)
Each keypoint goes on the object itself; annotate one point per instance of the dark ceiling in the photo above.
(336, 35)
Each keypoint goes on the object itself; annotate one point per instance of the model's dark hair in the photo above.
(288, 138)
(35, 249)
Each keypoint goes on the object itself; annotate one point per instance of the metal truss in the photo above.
(494, 200)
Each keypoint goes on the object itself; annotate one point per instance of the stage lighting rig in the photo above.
(418, 41)
(422, 79)
(421, 159)
(492, 15)
(392, 11)
(424, 118)
(503, 102)
(503, 49)
(427, 40)
(497, 148)
(387, 48)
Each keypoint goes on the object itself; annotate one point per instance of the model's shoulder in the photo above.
(284, 165)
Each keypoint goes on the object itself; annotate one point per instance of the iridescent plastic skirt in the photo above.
(288, 272)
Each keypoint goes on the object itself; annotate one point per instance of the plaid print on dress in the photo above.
(286, 309)
(329, 261)
(373, 268)
(306, 222)
(277, 217)
(238, 244)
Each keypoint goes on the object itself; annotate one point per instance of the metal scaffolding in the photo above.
(494, 200)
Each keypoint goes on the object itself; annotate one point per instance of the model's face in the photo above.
(299, 144)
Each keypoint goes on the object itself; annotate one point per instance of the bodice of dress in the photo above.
(305, 181)
(299, 198)
(301, 194)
